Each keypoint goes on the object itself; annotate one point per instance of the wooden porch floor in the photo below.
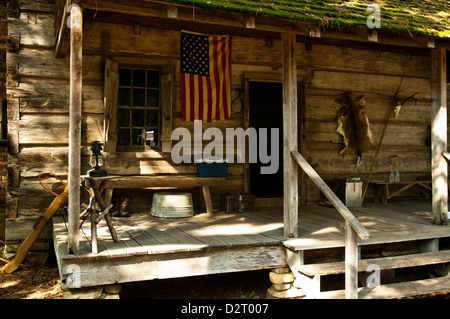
(152, 247)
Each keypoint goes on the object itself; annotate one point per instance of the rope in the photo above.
(59, 179)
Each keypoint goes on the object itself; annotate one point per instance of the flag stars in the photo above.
(195, 54)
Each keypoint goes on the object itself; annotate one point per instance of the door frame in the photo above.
(274, 77)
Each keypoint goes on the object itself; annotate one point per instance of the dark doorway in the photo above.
(266, 111)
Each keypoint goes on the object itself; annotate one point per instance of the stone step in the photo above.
(394, 262)
(396, 290)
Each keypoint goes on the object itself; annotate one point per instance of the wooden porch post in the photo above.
(351, 262)
(439, 166)
(290, 139)
(76, 52)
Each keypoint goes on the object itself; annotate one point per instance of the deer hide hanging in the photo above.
(353, 125)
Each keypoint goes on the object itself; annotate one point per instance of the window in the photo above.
(139, 109)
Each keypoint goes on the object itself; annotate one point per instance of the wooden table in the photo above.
(381, 188)
(99, 185)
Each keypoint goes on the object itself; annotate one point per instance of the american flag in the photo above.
(205, 77)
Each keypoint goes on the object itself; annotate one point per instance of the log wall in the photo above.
(38, 99)
(376, 74)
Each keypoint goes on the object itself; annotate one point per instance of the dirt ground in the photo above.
(42, 282)
(31, 282)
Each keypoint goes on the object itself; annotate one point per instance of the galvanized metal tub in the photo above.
(172, 205)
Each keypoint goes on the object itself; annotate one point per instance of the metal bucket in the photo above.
(351, 192)
(172, 205)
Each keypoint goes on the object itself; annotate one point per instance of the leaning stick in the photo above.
(372, 167)
(25, 247)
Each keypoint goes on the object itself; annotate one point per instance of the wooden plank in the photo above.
(156, 240)
(393, 262)
(204, 227)
(275, 234)
(397, 290)
(290, 138)
(389, 217)
(130, 245)
(162, 181)
(353, 58)
(185, 239)
(161, 266)
(439, 166)
(237, 231)
(219, 228)
(38, 34)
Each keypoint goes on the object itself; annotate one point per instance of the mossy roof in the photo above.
(409, 16)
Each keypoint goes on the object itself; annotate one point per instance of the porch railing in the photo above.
(353, 228)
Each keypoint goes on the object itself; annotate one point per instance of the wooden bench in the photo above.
(381, 188)
(109, 183)
(97, 185)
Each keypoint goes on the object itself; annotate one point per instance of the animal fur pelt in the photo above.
(353, 125)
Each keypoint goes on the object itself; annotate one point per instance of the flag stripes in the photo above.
(205, 77)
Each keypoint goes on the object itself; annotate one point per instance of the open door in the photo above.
(266, 111)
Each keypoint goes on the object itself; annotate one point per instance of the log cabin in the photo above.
(111, 71)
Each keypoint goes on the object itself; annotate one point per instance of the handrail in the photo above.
(337, 203)
(353, 228)
(446, 155)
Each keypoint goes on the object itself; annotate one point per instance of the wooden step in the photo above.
(395, 262)
(396, 290)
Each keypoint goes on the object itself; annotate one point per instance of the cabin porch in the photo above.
(156, 248)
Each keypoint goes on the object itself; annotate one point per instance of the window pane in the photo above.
(123, 117)
(124, 97)
(124, 137)
(138, 118)
(138, 136)
(139, 97)
(153, 79)
(138, 78)
(138, 113)
(153, 98)
(124, 77)
(152, 118)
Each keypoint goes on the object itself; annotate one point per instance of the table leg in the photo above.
(93, 227)
(207, 198)
(103, 206)
(108, 196)
(384, 193)
(376, 193)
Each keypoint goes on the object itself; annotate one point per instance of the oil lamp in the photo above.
(96, 160)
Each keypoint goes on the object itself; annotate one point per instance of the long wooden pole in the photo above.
(439, 166)
(290, 140)
(76, 52)
(372, 167)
